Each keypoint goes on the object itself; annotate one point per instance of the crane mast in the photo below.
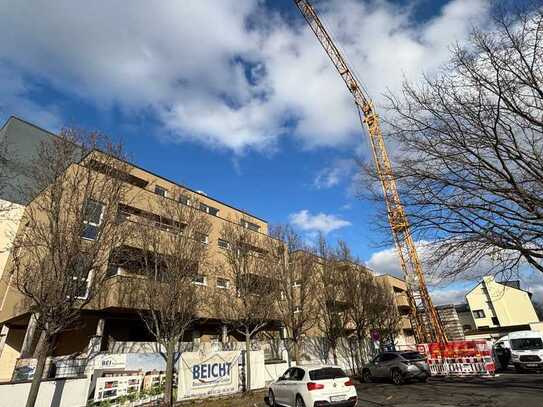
(424, 319)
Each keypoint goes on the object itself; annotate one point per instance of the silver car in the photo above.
(398, 366)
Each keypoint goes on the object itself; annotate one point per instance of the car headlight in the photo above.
(515, 355)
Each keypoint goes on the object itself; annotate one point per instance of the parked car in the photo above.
(398, 366)
(526, 349)
(313, 386)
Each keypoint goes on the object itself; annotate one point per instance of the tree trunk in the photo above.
(168, 386)
(334, 354)
(289, 356)
(45, 344)
(247, 362)
(297, 353)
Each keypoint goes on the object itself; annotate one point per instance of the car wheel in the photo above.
(366, 376)
(271, 399)
(397, 377)
(299, 401)
(424, 379)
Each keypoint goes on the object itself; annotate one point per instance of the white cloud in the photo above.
(331, 176)
(320, 222)
(229, 74)
(449, 290)
(448, 296)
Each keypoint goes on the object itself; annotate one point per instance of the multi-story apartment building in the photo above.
(405, 339)
(112, 324)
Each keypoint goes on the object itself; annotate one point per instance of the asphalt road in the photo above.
(503, 390)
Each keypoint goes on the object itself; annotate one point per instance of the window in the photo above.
(412, 356)
(466, 327)
(201, 237)
(387, 357)
(223, 244)
(92, 219)
(222, 282)
(479, 313)
(327, 373)
(81, 277)
(250, 225)
(297, 309)
(209, 209)
(526, 344)
(297, 284)
(282, 295)
(184, 199)
(297, 374)
(199, 279)
(161, 191)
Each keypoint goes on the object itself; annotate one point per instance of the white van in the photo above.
(526, 349)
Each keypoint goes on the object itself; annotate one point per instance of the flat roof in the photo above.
(13, 117)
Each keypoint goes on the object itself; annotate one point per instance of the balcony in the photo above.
(401, 300)
(405, 323)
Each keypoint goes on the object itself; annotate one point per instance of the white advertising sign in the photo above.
(208, 375)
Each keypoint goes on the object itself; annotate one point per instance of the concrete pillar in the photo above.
(28, 341)
(96, 341)
(3, 336)
(224, 334)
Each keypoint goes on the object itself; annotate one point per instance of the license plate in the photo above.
(531, 364)
(337, 398)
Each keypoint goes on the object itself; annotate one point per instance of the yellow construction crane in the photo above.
(424, 318)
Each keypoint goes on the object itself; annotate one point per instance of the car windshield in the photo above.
(526, 344)
(412, 356)
(327, 373)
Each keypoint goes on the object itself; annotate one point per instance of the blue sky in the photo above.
(235, 98)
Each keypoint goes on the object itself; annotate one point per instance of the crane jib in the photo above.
(424, 318)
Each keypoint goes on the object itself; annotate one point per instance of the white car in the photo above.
(313, 386)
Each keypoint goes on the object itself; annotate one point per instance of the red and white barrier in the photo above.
(459, 358)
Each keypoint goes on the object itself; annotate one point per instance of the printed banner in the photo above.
(202, 375)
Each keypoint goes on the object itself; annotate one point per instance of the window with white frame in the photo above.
(297, 284)
(297, 309)
(223, 244)
(161, 191)
(199, 279)
(222, 282)
(209, 209)
(184, 199)
(92, 219)
(201, 237)
(250, 225)
(81, 277)
(478, 313)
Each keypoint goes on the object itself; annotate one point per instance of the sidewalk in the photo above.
(252, 399)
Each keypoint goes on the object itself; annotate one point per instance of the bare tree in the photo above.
(249, 309)
(294, 269)
(331, 303)
(59, 256)
(386, 318)
(359, 288)
(470, 166)
(173, 248)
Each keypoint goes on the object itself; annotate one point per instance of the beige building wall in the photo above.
(10, 215)
(500, 304)
(405, 338)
